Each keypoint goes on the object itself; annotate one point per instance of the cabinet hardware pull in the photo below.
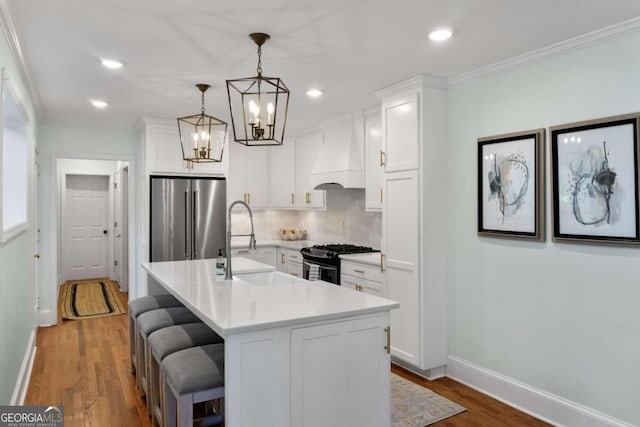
(381, 195)
(249, 198)
(244, 251)
(388, 346)
(308, 197)
(244, 197)
(292, 199)
(383, 259)
(383, 159)
(293, 256)
(358, 271)
(295, 274)
(282, 258)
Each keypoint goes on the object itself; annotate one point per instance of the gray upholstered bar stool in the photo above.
(192, 376)
(142, 305)
(164, 342)
(150, 322)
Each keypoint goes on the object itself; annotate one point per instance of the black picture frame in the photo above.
(511, 185)
(595, 181)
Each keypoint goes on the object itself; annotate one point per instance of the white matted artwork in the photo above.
(595, 180)
(511, 185)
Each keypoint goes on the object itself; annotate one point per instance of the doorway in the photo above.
(84, 175)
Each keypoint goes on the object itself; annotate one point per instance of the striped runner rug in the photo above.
(90, 298)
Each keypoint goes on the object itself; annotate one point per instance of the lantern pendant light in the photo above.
(258, 105)
(202, 137)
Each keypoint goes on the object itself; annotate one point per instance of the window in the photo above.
(15, 164)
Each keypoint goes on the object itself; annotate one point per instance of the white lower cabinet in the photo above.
(265, 255)
(362, 277)
(282, 260)
(338, 369)
(294, 263)
(289, 261)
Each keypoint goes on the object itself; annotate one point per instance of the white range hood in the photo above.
(340, 161)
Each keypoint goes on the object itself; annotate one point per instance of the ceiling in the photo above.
(348, 48)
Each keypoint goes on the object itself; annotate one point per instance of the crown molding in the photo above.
(9, 30)
(593, 38)
(412, 84)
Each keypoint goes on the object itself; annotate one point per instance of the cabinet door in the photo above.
(373, 171)
(400, 247)
(401, 133)
(267, 255)
(164, 152)
(283, 175)
(257, 176)
(294, 269)
(282, 260)
(340, 374)
(307, 149)
(236, 183)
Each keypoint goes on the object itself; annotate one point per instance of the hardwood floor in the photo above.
(482, 410)
(84, 365)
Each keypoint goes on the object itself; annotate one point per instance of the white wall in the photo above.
(65, 141)
(564, 318)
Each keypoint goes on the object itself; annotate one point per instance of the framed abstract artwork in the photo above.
(511, 185)
(595, 180)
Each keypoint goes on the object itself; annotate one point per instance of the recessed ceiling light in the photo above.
(440, 34)
(99, 104)
(314, 93)
(111, 64)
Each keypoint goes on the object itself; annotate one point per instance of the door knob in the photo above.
(36, 255)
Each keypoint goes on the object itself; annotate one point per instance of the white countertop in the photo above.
(372, 258)
(259, 300)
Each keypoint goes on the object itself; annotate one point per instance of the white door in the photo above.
(400, 231)
(85, 228)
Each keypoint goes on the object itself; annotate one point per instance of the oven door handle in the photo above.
(320, 266)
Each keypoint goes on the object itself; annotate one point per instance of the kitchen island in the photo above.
(297, 353)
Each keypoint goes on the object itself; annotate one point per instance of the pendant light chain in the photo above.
(202, 109)
(259, 61)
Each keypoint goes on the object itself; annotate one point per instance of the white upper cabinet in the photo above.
(307, 149)
(249, 175)
(373, 170)
(163, 152)
(401, 133)
(283, 175)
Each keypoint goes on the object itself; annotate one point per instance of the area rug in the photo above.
(415, 406)
(89, 299)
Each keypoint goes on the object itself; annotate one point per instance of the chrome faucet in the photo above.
(252, 236)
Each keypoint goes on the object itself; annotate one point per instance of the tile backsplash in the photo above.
(344, 221)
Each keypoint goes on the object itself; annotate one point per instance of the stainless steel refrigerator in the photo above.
(188, 218)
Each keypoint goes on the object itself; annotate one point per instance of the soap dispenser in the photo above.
(220, 263)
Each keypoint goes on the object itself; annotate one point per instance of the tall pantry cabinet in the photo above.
(414, 221)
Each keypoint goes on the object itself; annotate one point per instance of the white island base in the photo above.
(297, 353)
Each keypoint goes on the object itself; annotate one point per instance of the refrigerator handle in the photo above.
(194, 215)
(186, 226)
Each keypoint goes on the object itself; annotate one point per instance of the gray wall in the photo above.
(17, 287)
(564, 318)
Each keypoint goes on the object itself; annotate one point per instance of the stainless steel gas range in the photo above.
(325, 260)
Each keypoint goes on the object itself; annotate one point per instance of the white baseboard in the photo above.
(47, 318)
(548, 407)
(22, 384)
